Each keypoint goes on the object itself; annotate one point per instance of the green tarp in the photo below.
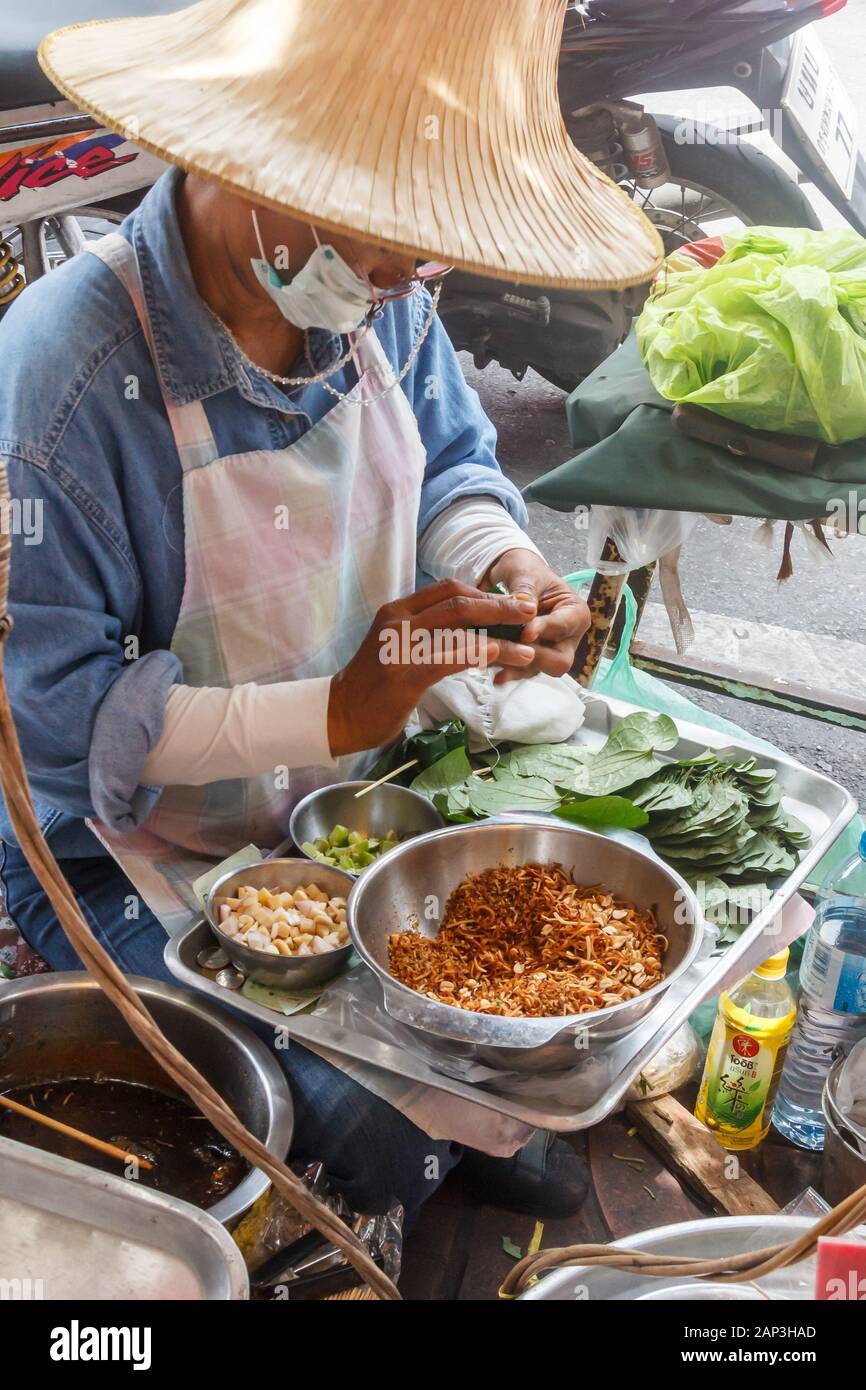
(633, 457)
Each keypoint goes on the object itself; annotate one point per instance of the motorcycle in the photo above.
(692, 178)
(63, 179)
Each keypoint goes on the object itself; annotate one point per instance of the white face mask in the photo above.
(325, 293)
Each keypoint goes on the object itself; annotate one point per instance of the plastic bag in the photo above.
(773, 335)
(641, 535)
(673, 1065)
(622, 681)
(272, 1224)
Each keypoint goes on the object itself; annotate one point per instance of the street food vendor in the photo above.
(248, 434)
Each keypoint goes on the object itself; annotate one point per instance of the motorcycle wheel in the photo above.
(714, 187)
(720, 187)
(40, 246)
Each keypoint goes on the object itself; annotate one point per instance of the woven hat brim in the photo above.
(461, 170)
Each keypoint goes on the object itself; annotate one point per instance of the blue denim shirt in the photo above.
(98, 554)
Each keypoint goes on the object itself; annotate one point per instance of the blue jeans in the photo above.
(372, 1153)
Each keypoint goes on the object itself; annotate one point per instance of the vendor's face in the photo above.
(385, 268)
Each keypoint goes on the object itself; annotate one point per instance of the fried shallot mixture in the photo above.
(529, 942)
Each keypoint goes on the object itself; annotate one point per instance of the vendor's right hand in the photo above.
(373, 696)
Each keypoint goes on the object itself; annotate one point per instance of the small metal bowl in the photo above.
(388, 807)
(281, 972)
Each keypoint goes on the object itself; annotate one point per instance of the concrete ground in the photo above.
(810, 628)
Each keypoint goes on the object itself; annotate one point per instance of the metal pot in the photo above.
(395, 893)
(710, 1237)
(844, 1165)
(63, 1024)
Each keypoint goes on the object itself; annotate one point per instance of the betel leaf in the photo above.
(660, 794)
(447, 810)
(615, 811)
(538, 788)
(642, 733)
(554, 762)
(627, 756)
(445, 775)
(426, 746)
(489, 798)
(793, 831)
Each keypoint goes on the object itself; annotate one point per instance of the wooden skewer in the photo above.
(386, 778)
(71, 1133)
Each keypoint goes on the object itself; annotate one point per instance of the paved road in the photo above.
(723, 572)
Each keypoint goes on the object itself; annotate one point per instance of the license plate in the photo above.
(821, 109)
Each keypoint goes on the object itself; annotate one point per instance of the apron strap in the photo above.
(193, 436)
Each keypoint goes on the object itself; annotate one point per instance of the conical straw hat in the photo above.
(430, 126)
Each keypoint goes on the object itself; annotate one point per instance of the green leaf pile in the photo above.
(718, 821)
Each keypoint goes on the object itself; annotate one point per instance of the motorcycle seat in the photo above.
(22, 81)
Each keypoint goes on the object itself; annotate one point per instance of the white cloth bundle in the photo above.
(538, 709)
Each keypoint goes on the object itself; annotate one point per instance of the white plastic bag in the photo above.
(641, 535)
(673, 1065)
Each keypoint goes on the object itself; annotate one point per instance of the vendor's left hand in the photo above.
(559, 624)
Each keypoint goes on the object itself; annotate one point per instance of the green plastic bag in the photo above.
(618, 679)
(773, 335)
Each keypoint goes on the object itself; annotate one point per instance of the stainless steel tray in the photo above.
(70, 1232)
(604, 1072)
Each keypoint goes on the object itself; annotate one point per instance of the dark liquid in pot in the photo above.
(190, 1158)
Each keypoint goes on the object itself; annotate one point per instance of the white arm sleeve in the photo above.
(464, 540)
(211, 734)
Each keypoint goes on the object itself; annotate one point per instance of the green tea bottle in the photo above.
(745, 1056)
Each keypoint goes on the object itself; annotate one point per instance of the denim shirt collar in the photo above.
(195, 357)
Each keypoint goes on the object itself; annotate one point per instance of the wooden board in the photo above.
(698, 1159)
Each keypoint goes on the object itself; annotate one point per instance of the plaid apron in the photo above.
(289, 553)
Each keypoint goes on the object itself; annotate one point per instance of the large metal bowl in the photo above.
(64, 1025)
(388, 807)
(409, 888)
(281, 972)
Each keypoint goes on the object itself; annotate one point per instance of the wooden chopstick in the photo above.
(386, 778)
(111, 1150)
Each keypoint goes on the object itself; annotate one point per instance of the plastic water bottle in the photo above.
(832, 1004)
